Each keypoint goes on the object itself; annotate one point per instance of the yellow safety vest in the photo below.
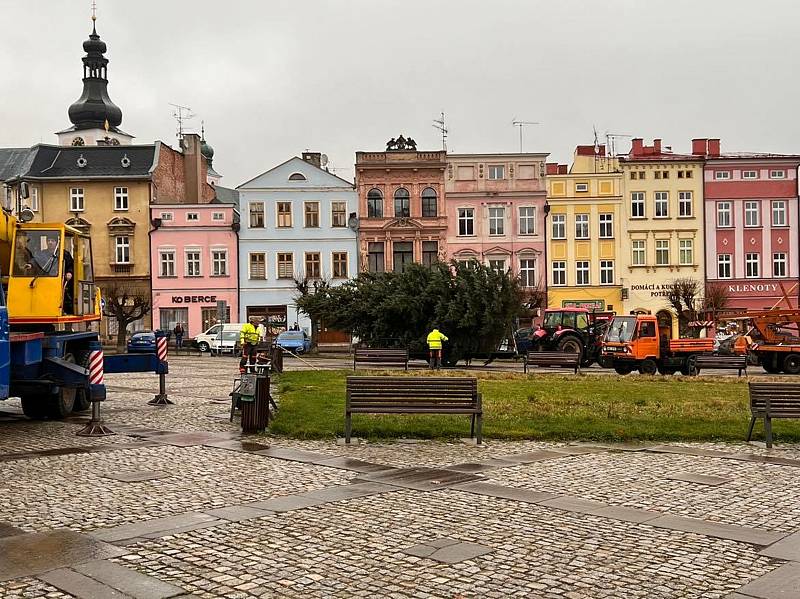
(248, 334)
(435, 339)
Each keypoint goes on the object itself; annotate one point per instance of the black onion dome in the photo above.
(94, 44)
(207, 151)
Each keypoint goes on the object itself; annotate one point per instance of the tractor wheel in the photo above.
(623, 369)
(665, 370)
(570, 345)
(648, 366)
(34, 407)
(82, 399)
(791, 364)
(61, 404)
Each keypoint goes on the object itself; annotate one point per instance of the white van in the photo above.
(226, 334)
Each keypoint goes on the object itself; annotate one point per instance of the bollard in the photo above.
(97, 390)
(163, 368)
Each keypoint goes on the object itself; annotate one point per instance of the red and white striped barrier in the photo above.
(96, 367)
(161, 348)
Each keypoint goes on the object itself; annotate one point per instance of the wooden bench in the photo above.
(414, 395)
(552, 358)
(382, 356)
(703, 362)
(773, 400)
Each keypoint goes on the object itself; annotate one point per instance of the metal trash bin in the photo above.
(255, 406)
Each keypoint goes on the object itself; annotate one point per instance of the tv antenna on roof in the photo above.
(521, 125)
(611, 142)
(181, 114)
(439, 124)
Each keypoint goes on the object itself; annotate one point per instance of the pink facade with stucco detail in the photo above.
(752, 222)
(194, 262)
(496, 212)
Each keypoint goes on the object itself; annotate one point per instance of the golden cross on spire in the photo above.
(94, 10)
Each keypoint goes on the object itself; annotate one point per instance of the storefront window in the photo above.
(171, 316)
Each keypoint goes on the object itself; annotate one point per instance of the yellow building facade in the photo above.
(584, 232)
(662, 229)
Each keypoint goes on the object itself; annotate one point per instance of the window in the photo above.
(723, 214)
(559, 273)
(497, 171)
(680, 174)
(527, 272)
(606, 272)
(582, 272)
(777, 174)
(722, 175)
(779, 265)
(122, 247)
(34, 199)
(633, 175)
(497, 266)
(297, 177)
(662, 204)
(642, 175)
(219, 263)
(779, 213)
(120, 198)
(167, 260)
(313, 264)
(402, 203)
(581, 187)
(637, 204)
(166, 216)
(559, 226)
(639, 252)
(686, 252)
(430, 252)
(338, 214)
(688, 174)
(752, 266)
(375, 204)
(375, 257)
(192, 263)
(217, 216)
(497, 216)
(724, 266)
(258, 266)
(647, 329)
(527, 220)
(256, 215)
(749, 174)
(76, 199)
(661, 175)
(284, 214)
(466, 221)
(751, 218)
(339, 265)
(662, 252)
(684, 203)
(606, 226)
(402, 254)
(192, 216)
(285, 265)
(581, 226)
(429, 202)
(311, 210)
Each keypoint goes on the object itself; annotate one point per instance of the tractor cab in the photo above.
(52, 276)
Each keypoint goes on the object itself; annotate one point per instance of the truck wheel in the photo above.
(570, 345)
(771, 364)
(648, 366)
(689, 367)
(61, 404)
(623, 369)
(82, 400)
(203, 346)
(34, 407)
(665, 370)
(791, 364)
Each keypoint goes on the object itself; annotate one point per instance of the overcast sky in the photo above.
(271, 78)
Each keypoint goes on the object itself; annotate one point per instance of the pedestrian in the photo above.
(248, 339)
(262, 331)
(295, 327)
(435, 339)
(178, 330)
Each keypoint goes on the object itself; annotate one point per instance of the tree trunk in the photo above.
(122, 331)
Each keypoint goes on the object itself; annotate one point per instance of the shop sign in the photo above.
(591, 304)
(655, 289)
(194, 299)
(749, 288)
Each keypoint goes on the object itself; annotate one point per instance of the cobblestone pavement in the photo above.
(200, 513)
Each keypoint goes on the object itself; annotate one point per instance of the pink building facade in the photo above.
(194, 262)
(752, 225)
(496, 212)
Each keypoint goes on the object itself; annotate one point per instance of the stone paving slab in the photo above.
(293, 455)
(128, 581)
(80, 585)
(135, 477)
(573, 504)
(179, 529)
(481, 466)
(156, 525)
(459, 552)
(351, 491)
(194, 438)
(783, 583)
(62, 451)
(6, 530)
(239, 445)
(787, 548)
(502, 492)
(419, 479)
(626, 514)
(237, 513)
(287, 503)
(700, 479)
(35, 553)
(531, 456)
(742, 534)
(345, 463)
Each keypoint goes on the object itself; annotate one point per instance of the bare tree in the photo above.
(717, 298)
(125, 303)
(683, 296)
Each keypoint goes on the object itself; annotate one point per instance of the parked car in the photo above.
(142, 342)
(228, 334)
(295, 341)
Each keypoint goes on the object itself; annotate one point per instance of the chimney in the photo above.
(699, 146)
(552, 168)
(713, 147)
(314, 158)
(192, 169)
(637, 146)
(563, 169)
(656, 146)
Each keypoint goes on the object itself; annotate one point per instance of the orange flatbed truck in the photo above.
(776, 339)
(635, 343)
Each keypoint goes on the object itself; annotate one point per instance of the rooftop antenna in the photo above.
(611, 142)
(94, 10)
(521, 125)
(181, 114)
(439, 124)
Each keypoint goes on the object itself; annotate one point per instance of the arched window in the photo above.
(297, 177)
(429, 201)
(375, 203)
(402, 203)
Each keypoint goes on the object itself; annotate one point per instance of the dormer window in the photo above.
(297, 177)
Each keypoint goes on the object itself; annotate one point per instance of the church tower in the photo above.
(95, 118)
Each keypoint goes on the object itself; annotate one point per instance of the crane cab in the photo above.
(52, 276)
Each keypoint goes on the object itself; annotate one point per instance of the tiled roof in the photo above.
(14, 161)
(100, 161)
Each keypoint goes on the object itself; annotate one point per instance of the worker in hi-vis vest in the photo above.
(435, 339)
(248, 339)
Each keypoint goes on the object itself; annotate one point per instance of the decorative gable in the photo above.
(121, 226)
(79, 223)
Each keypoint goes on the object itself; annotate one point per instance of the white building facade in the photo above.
(298, 224)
